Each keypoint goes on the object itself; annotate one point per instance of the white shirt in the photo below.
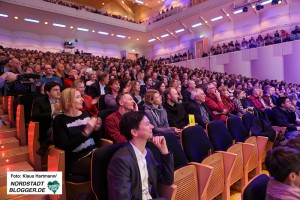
(102, 89)
(142, 163)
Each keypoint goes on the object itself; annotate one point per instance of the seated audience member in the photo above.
(256, 99)
(269, 97)
(112, 92)
(225, 96)
(92, 78)
(98, 87)
(156, 113)
(126, 85)
(198, 108)
(140, 77)
(135, 92)
(44, 109)
(160, 87)
(88, 103)
(294, 102)
(177, 116)
(186, 94)
(238, 96)
(125, 104)
(75, 132)
(283, 164)
(7, 76)
(147, 86)
(133, 173)
(284, 115)
(214, 103)
(49, 76)
(231, 88)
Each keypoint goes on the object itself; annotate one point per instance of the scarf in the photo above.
(279, 191)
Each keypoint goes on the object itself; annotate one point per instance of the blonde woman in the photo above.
(75, 132)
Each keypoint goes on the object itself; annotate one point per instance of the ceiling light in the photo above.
(195, 25)
(201, 36)
(31, 20)
(238, 11)
(227, 15)
(165, 35)
(151, 40)
(138, 1)
(93, 31)
(103, 33)
(128, 37)
(83, 29)
(3, 15)
(59, 25)
(46, 22)
(71, 27)
(253, 6)
(216, 18)
(137, 39)
(102, 3)
(112, 34)
(266, 2)
(178, 31)
(121, 36)
(206, 22)
(16, 17)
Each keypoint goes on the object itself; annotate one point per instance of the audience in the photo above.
(113, 88)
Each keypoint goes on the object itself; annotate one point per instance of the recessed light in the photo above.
(16, 17)
(238, 11)
(112, 34)
(121, 36)
(206, 22)
(59, 25)
(137, 39)
(93, 31)
(195, 25)
(102, 3)
(3, 15)
(227, 15)
(31, 20)
(128, 37)
(151, 40)
(71, 27)
(138, 1)
(165, 35)
(103, 33)
(83, 29)
(46, 22)
(180, 30)
(216, 18)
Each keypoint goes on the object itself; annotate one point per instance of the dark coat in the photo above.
(124, 175)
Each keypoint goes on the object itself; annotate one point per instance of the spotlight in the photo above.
(259, 7)
(245, 9)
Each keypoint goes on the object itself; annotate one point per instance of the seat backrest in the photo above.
(247, 119)
(33, 146)
(196, 144)
(186, 181)
(216, 184)
(219, 135)
(174, 147)
(100, 161)
(256, 188)
(103, 114)
(237, 129)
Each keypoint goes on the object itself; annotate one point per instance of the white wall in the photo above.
(19, 39)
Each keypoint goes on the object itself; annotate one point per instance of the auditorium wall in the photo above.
(278, 61)
(28, 40)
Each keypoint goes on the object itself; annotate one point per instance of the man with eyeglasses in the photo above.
(49, 76)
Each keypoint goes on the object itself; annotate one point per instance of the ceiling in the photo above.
(133, 38)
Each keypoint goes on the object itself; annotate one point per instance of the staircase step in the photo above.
(14, 155)
(4, 117)
(5, 196)
(4, 127)
(9, 143)
(20, 166)
(7, 133)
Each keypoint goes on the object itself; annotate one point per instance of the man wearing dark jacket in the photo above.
(177, 117)
(198, 108)
(44, 109)
(284, 115)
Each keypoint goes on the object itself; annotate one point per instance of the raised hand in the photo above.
(161, 144)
